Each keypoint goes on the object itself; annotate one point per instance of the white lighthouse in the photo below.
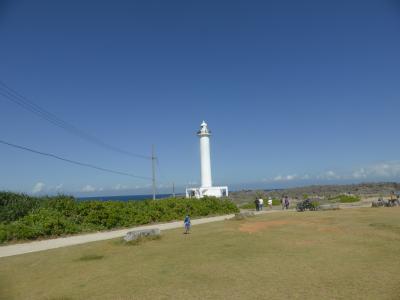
(205, 161)
(206, 188)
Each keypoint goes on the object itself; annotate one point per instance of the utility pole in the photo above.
(173, 189)
(153, 166)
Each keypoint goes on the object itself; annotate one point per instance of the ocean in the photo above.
(127, 197)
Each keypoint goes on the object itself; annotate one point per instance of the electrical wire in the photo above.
(17, 98)
(72, 161)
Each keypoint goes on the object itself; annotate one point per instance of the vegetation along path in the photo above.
(36, 246)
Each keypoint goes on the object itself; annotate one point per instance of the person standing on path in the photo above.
(260, 203)
(392, 199)
(270, 202)
(187, 224)
(257, 203)
(287, 202)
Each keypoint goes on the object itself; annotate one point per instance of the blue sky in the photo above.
(295, 92)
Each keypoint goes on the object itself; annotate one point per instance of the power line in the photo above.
(15, 97)
(153, 169)
(72, 161)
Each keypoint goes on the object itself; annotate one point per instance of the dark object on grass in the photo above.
(307, 204)
(384, 203)
(395, 202)
(379, 203)
(88, 257)
(243, 215)
(135, 235)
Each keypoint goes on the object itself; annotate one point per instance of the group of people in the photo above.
(394, 199)
(259, 202)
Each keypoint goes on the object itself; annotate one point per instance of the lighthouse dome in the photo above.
(204, 129)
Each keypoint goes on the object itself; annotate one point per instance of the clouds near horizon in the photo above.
(377, 171)
(38, 188)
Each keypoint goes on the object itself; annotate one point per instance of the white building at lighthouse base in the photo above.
(213, 191)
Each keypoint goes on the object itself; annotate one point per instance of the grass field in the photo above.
(345, 254)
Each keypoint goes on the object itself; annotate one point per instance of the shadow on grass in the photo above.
(89, 257)
(384, 226)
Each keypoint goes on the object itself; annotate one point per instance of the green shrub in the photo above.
(346, 199)
(248, 206)
(61, 203)
(41, 223)
(315, 204)
(276, 202)
(14, 206)
(3, 233)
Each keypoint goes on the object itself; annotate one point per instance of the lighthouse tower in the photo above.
(205, 161)
(206, 188)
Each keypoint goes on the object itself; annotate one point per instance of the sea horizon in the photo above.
(127, 197)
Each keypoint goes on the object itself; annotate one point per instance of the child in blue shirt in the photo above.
(187, 224)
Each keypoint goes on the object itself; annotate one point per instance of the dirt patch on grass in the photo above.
(319, 221)
(259, 226)
(330, 229)
(305, 243)
(318, 224)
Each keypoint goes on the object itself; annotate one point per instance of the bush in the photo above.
(346, 199)
(14, 206)
(248, 206)
(60, 203)
(19, 231)
(41, 223)
(315, 204)
(60, 215)
(276, 202)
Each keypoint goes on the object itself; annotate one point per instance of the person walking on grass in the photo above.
(270, 202)
(187, 224)
(260, 203)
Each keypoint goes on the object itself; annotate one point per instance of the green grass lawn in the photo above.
(345, 254)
